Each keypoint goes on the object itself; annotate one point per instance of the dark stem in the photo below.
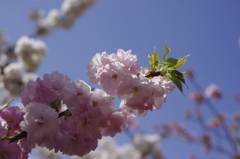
(24, 133)
(19, 136)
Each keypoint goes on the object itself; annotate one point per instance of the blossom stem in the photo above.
(216, 113)
(19, 136)
(23, 134)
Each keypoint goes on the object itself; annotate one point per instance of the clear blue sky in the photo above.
(208, 30)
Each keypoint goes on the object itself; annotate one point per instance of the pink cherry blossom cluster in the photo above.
(70, 116)
(120, 75)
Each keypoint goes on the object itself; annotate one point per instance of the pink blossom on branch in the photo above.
(70, 117)
(9, 150)
(40, 121)
(3, 129)
(77, 93)
(12, 116)
(47, 90)
(214, 92)
(197, 96)
(116, 123)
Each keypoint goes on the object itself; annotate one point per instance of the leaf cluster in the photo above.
(168, 67)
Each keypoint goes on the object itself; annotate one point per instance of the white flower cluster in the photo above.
(65, 17)
(18, 65)
(30, 52)
(148, 144)
(143, 145)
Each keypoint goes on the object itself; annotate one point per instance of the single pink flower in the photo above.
(26, 147)
(3, 128)
(88, 124)
(55, 82)
(100, 99)
(75, 146)
(12, 116)
(77, 93)
(197, 96)
(214, 92)
(96, 66)
(111, 77)
(129, 61)
(40, 121)
(9, 150)
(37, 92)
(116, 123)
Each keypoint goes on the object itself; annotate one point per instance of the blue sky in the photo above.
(208, 30)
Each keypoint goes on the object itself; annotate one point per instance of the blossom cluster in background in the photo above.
(219, 133)
(19, 61)
(143, 145)
(59, 18)
(18, 65)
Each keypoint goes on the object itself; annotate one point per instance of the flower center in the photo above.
(135, 89)
(115, 76)
(94, 104)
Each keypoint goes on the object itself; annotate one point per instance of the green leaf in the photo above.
(155, 54)
(6, 105)
(170, 62)
(177, 73)
(154, 62)
(180, 62)
(166, 51)
(57, 104)
(164, 72)
(167, 68)
(175, 80)
(180, 76)
(150, 61)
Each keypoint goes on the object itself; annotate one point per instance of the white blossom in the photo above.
(73, 9)
(30, 52)
(29, 77)
(53, 19)
(13, 71)
(108, 149)
(128, 151)
(148, 144)
(3, 59)
(5, 96)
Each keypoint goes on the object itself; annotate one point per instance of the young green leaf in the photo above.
(180, 62)
(164, 72)
(170, 62)
(175, 80)
(155, 54)
(154, 62)
(166, 51)
(151, 61)
(6, 105)
(167, 68)
(180, 76)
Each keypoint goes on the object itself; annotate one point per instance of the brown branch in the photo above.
(153, 74)
(24, 133)
(19, 136)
